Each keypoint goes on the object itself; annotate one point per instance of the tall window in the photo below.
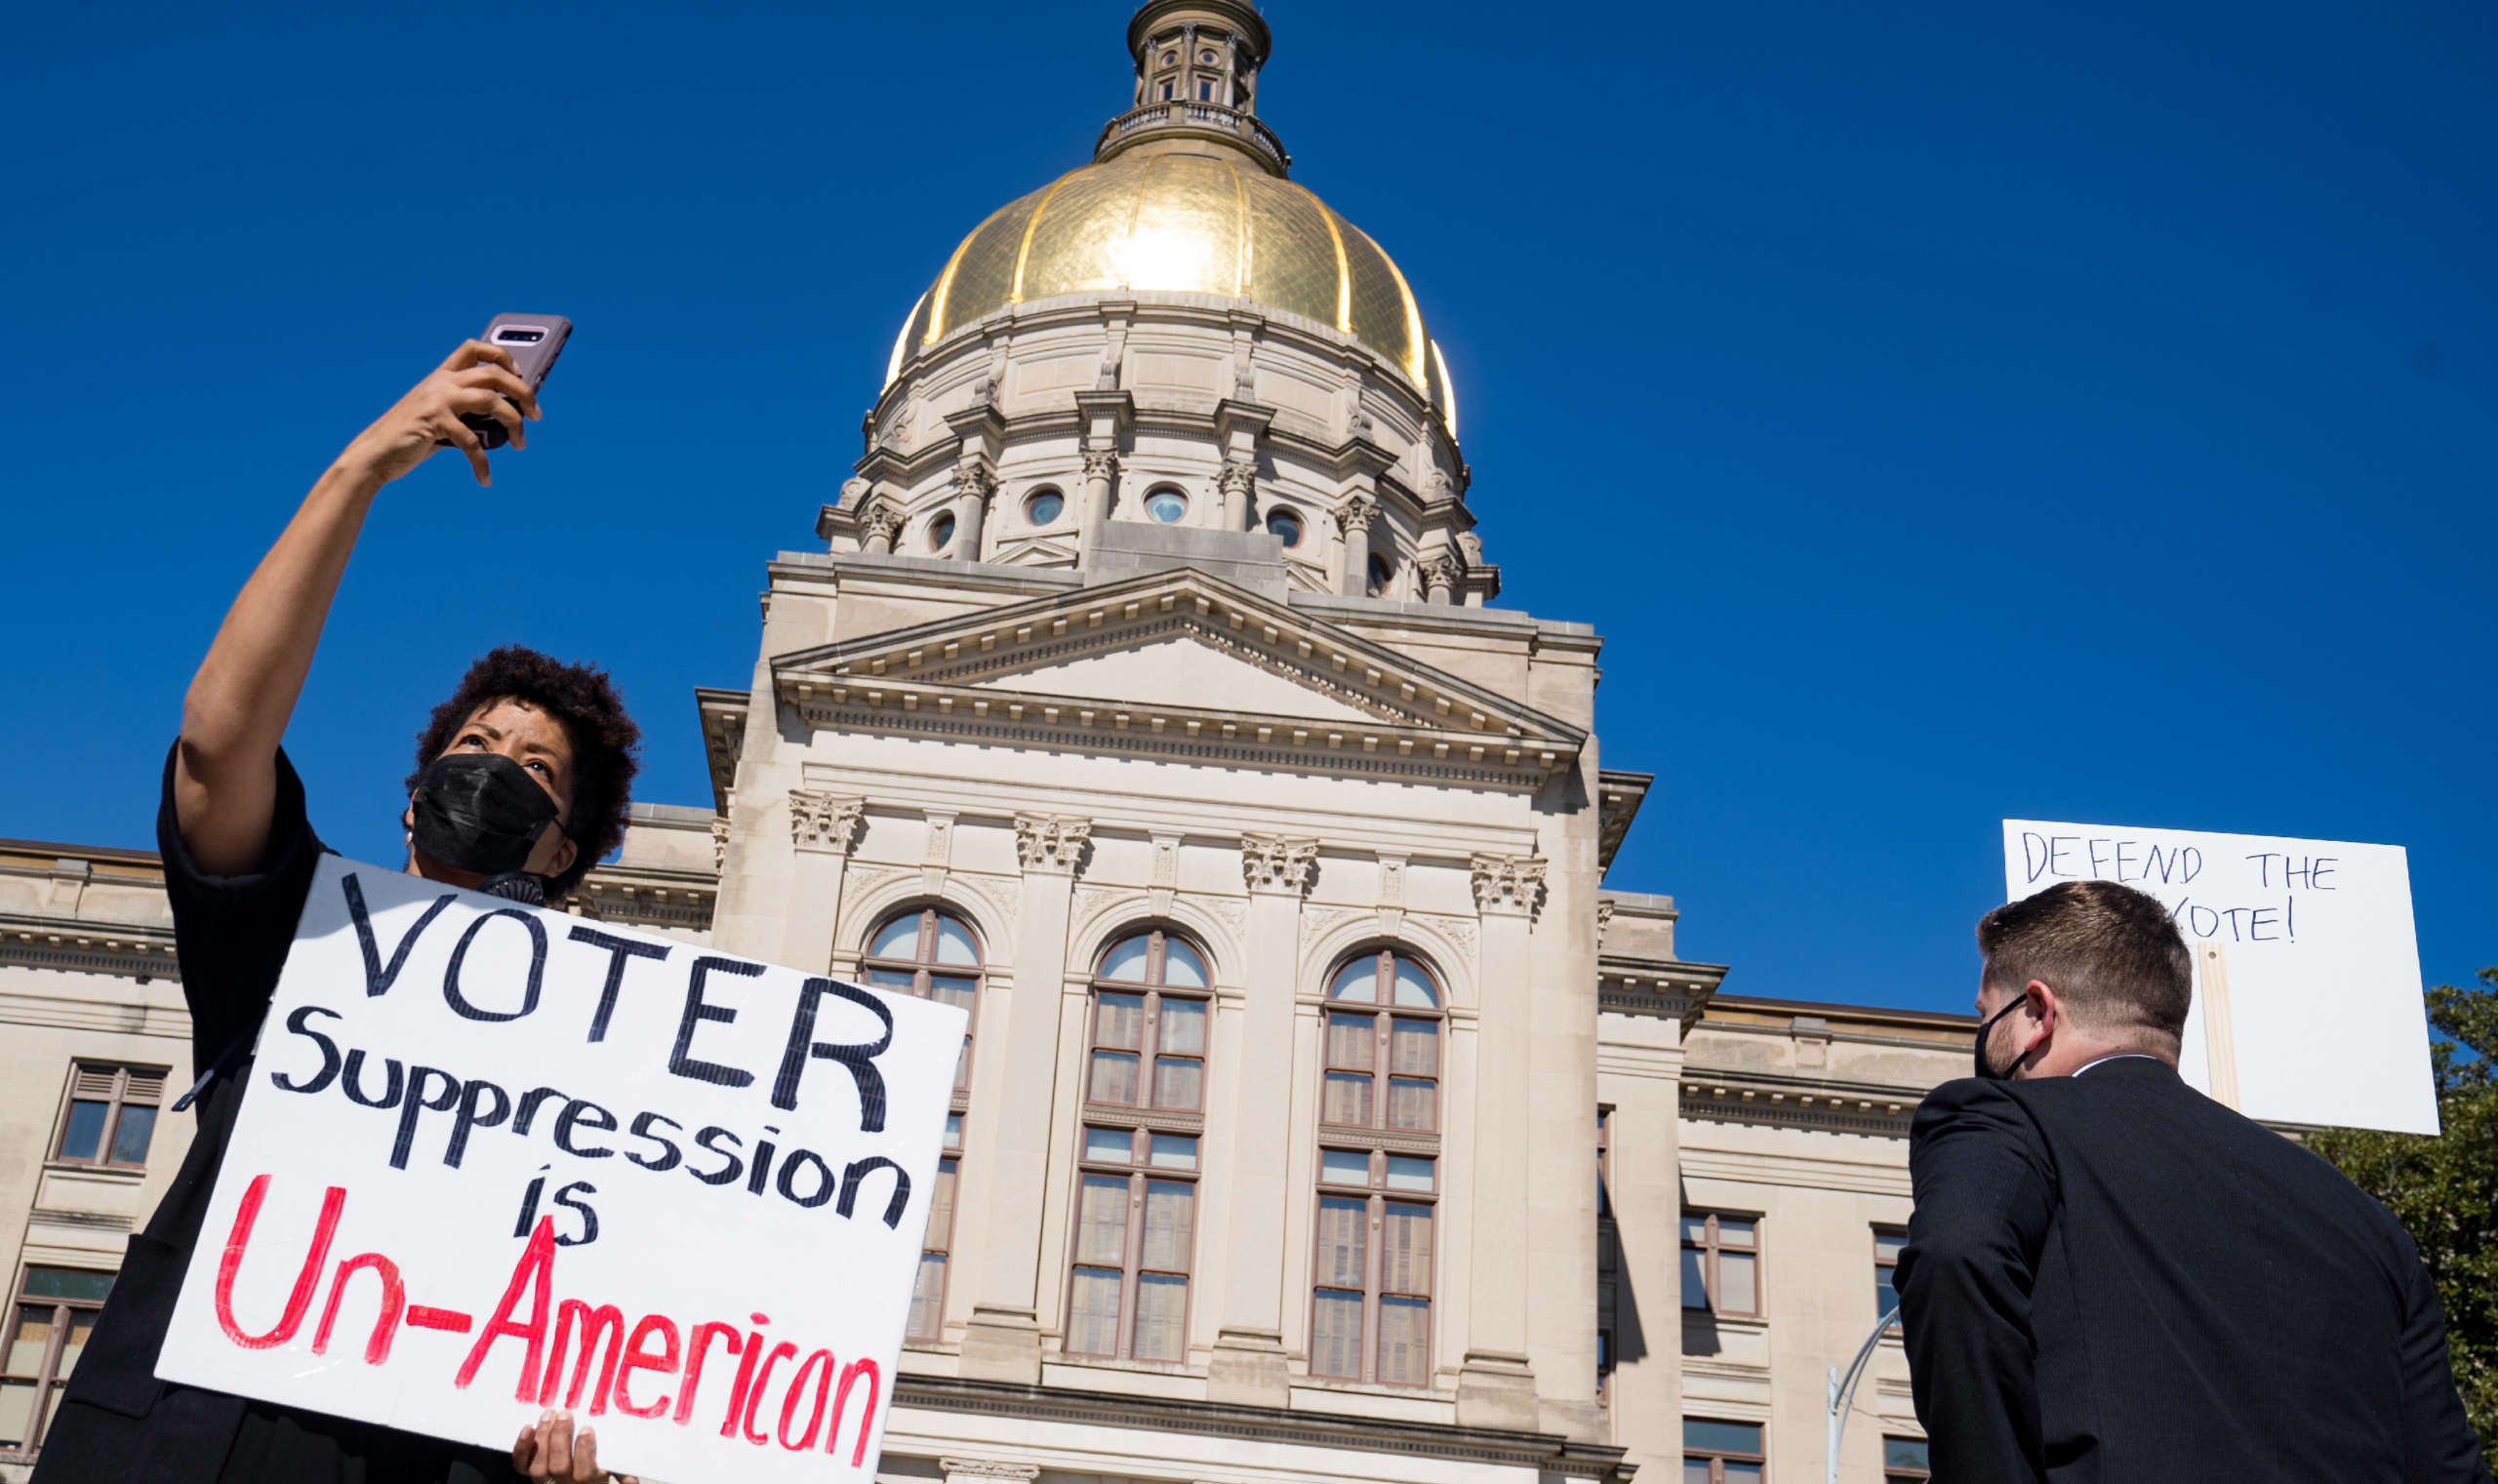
(1378, 1174)
(1721, 1262)
(110, 1115)
(931, 953)
(56, 1308)
(1136, 1208)
(1904, 1461)
(1721, 1452)
(1887, 1244)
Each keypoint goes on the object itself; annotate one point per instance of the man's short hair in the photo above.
(604, 742)
(2111, 953)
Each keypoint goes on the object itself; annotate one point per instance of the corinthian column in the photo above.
(974, 482)
(1101, 466)
(1354, 520)
(1247, 1366)
(1003, 1339)
(1496, 1385)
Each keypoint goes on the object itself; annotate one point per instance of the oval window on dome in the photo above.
(1170, 59)
(1206, 57)
(1166, 506)
(1042, 507)
(1285, 525)
(940, 532)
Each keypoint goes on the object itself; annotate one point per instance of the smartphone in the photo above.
(534, 341)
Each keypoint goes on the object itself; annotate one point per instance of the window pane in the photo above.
(928, 1297)
(963, 1066)
(893, 979)
(1162, 1307)
(1349, 1040)
(1733, 1232)
(1102, 1219)
(1404, 1341)
(1118, 1019)
(1336, 1335)
(1170, 1224)
(1414, 988)
(1736, 1293)
(1343, 1254)
(27, 1339)
(1405, 1249)
(1114, 1077)
(1412, 1103)
(941, 1207)
(954, 1130)
(1695, 1472)
(1700, 1434)
(1904, 1453)
(1414, 1048)
(1093, 1312)
(75, 1283)
(1344, 1167)
(1173, 1151)
(1356, 980)
(898, 938)
(952, 989)
(1184, 1026)
(1406, 1173)
(1181, 965)
(1115, 1146)
(17, 1405)
(1178, 1081)
(1885, 1297)
(129, 1135)
(1347, 1100)
(1695, 1228)
(1887, 1244)
(954, 943)
(1695, 1289)
(84, 1132)
(1742, 1473)
(1127, 960)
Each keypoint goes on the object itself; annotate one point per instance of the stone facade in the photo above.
(1143, 697)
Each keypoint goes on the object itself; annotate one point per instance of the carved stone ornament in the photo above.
(974, 476)
(1048, 842)
(1279, 862)
(1444, 571)
(881, 518)
(983, 1468)
(719, 845)
(1508, 884)
(853, 490)
(1604, 921)
(825, 822)
(1471, 546)
(1237, 476)
(1101, 463)
(1358, 514)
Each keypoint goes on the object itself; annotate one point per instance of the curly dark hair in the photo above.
(604, 742)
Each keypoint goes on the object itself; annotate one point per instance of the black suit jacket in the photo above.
(2113, 1278)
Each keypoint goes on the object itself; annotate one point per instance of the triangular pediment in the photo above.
(1174, 654)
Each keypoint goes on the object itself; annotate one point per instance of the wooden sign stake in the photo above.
(2220, 1037)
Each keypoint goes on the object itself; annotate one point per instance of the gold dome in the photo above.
(1187, 223)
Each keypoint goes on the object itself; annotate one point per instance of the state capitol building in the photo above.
(1329, 1113)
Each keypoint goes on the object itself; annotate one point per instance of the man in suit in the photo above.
(2111, 1277)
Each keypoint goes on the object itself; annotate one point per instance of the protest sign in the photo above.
(2306, 993)
(493, 1159)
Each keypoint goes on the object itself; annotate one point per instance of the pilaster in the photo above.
(823, 827)
(1496, 1384)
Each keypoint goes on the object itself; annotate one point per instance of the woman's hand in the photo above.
(477, 379)
(547, 1449)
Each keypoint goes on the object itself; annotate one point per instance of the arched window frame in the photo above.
(1151, 1141)
(923, 973)
(1380, 1170)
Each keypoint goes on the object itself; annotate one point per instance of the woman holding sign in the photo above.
(522, 784)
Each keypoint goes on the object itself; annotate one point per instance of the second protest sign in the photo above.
(493, 1159)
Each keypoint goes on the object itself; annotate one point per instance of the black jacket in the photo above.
(2113, 1278)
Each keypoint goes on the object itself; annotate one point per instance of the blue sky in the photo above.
(1947, 411)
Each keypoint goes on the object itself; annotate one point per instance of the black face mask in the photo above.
(479, 812)
(1986, 1068)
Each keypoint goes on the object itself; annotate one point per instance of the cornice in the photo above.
(1817, 1105)
(642, 896)
(130, 949)
(1663, 987)
(1619, 794)
(721, 714)
(1545, 1452)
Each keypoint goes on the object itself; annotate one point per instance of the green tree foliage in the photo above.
(2445, 1190)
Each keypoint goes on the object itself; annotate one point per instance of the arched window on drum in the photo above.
(1379, 1172)
(930, 953)
(1142, 1152)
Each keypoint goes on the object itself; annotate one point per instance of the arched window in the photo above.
(1144, 1133)
(930, 953)
(1379, 1173)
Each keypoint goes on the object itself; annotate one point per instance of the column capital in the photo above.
(825, 822)
(1049, 842)
(1281, 864)
(974, 476)
(1509, 885)
(1101, 463)
(1357, 513)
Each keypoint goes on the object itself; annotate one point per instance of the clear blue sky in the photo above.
(1947, 411)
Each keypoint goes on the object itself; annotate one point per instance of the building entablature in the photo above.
(91, 908)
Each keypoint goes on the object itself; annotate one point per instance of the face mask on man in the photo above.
(1986, 1068)
(482, 812)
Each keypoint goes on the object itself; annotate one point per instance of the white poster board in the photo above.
(2323, 1015)
(493, 1159)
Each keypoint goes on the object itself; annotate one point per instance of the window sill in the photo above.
(1744, 1324)
(119, 1174)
